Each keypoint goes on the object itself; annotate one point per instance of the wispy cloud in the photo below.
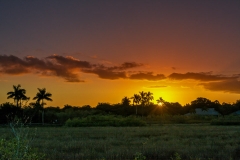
(185, 87)
(156, 86)
(147, 76)
(202, 76)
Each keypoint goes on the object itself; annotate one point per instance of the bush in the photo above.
(104, 120)
(18, 146)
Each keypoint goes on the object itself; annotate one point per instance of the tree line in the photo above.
(140, 104)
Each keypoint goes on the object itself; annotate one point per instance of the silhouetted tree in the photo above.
(18, 94)
(162, 102)
(226, 109)
(201, 102)
(175, 108)
(146, 97)
(237, 104)
(40, 97)
(8, 112)
(32, 112)
(67, 106)
(106, 107)
(143, 99)
(136, 100)
(149, 97)
(126, 101)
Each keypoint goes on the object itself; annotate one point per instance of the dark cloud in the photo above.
(7, 61)
(129, 65)
(202, 76)
(70, 69)
(67, 67)
(115, 72)
(211, 82)
(14, 65)
(15, 70)
(147, 76)
(69, 61)
(126, 65)
(231, 86)
(105, 73)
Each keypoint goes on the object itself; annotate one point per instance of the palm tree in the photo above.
(161, 102)
(149, 97)
(136, 99)
(143, 99)
(40, 97)
(18, 94)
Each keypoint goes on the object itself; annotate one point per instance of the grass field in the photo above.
(195, 142)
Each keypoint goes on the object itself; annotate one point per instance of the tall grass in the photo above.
(179, 119)
(188, 142)
(15, 144)
(227, 120)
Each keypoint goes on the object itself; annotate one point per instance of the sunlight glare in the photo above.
(160, 104)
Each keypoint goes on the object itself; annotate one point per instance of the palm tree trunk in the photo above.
(42, 113)
(136, 110)
(43, 117)
(17, 103)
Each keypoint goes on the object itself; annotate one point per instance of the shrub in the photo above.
(18, 146)
(104, 120)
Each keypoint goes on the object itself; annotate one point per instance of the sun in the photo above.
(160, 104)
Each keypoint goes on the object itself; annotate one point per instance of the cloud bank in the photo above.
(70, 69)
(211, 82)
(230, 86)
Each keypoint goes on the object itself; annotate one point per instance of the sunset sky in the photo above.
(90, 51)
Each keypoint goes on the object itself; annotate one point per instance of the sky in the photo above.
(87, 52)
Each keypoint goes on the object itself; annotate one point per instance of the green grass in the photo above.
(183, 141)
(227, 120)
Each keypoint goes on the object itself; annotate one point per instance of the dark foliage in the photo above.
(141, 106)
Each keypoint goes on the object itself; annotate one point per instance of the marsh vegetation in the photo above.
(172, 141)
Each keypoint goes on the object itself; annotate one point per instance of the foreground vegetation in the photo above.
(188, 142)
(140, 105)
(141, 130)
